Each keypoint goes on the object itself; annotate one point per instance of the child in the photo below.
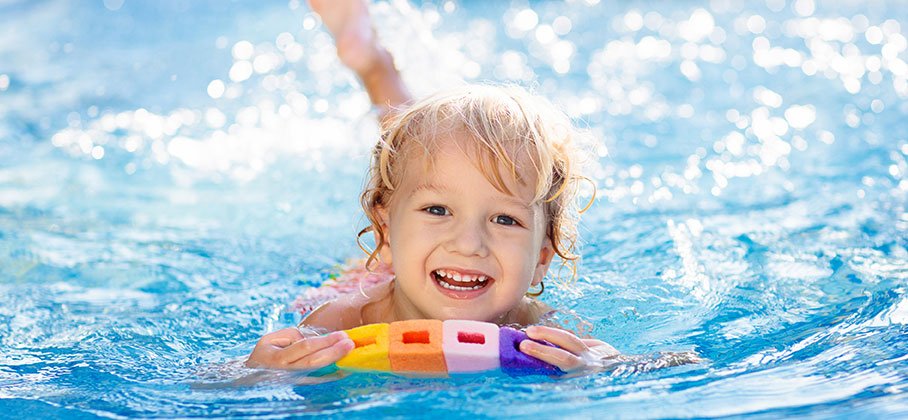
(471, 194)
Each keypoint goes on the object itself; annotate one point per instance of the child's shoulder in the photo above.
(333, 315)
(536, 312)
(340, 299)
(349, 310)
(530, 311)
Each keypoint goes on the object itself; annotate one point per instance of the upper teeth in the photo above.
(461, 277)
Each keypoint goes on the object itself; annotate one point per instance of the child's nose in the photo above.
(468, 239)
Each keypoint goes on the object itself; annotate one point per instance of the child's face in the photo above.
(460, 248)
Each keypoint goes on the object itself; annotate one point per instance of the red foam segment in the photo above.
(471, 338)
(413, 337)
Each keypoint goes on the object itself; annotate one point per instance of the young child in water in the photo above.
(471, 194)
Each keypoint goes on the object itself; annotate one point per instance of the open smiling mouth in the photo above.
(453, 280)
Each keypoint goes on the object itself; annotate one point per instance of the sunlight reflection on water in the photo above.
(160, 191)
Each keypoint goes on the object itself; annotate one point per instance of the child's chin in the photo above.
(461, 313)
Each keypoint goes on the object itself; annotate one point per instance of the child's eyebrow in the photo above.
(430, 187)
(440, 189)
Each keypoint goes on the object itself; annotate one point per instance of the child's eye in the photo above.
(505, 220)
(436, 210)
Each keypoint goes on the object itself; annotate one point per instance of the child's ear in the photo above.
(545, 259)
(384, 248)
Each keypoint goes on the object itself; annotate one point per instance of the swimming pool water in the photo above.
(173, 174)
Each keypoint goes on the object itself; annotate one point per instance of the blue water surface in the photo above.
(174, 173)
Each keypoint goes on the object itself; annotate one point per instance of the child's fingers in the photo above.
(560, 338)
(281, 342)
(302, 348)
(324, 357)
(600, 348)
(291, 334)
(552, 355)
(298, 349)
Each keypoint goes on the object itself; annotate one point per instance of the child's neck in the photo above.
(402, 308)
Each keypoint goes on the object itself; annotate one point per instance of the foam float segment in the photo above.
(415, 346)
(470, 346)
(514, 362)
(371, 350)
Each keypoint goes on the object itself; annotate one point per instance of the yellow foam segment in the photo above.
(371, 351)
(415, 346)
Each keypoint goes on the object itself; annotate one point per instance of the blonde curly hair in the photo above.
(508, 127)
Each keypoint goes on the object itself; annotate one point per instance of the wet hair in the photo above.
(508, 131)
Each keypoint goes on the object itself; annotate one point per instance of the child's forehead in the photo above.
(508, 171)
(508, 159)
(459, 144)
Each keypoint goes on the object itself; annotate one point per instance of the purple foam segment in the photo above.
(514, 362)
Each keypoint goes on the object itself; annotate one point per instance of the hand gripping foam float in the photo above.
(515, 362)
(428, 346)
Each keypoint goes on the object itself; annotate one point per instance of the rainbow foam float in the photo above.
(434, 347)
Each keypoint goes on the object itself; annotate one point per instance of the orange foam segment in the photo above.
(415, 346)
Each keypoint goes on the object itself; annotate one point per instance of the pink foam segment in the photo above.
(470, 346)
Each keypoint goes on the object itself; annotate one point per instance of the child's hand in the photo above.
(289, 349)
(574, 353)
